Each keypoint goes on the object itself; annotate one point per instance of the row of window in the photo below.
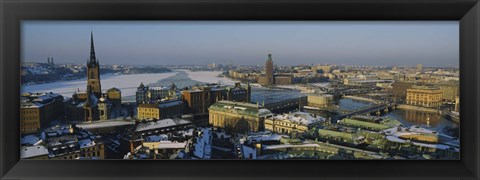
(30, 123)
(92, 154)
(148, 110)
(70, 157)
(29, 118)
(25, 130)
(30, 111)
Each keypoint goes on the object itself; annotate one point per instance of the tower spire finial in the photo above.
(92, 49)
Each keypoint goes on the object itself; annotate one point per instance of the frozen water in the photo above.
(208, 77)
(127, 83)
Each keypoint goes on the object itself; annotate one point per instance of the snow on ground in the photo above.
(127, 83)
(208, 77)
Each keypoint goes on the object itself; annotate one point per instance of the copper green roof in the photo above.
(390, 122)
(343, 135)
(245, 109)
(362, 124)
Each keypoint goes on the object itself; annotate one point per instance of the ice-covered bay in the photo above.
(127, 83)
(208, 77)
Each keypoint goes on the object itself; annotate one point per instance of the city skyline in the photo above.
(433, 44)
(214, 112)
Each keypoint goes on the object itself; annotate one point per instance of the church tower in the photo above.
(93, 71)
(94, 90)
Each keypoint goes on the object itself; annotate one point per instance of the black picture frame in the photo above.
(14, 11)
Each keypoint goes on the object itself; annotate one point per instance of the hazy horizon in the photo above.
(373, 43)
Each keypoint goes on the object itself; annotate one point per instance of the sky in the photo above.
(385, 43)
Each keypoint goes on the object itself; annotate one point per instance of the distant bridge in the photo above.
(286, 105)
(378, 108)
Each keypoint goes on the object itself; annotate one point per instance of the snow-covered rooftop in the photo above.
(171, 145)
(289, 146)
(299, 118)
(156, 138)
(86, 143)
(166, 104)
(395, 139)
(203, 146)
(33, 151)
(158, 88)
(248, 152)
(30, 140)
(436, 146)
(264, 137)
(102, 124)
(164, 123)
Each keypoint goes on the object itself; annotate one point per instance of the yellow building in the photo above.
(293, 122)
(148, 111)
(29, 120)
(114, 95)
(324, 68)
(90, 149)
(37, 110)
(238, 116)
(282, 80)
(160, 110)
(322, 100)
(426, 96)
(199, 98)
(457, 103)
(450, 91)
(164, 149)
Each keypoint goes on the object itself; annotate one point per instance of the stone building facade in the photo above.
(38, 110)
(426, 96)
(237, 116)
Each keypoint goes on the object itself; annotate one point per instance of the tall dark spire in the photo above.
(92, 50)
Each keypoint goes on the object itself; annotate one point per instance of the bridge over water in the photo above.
(377, 108)
(285, 106)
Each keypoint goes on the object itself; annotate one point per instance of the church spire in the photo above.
(92, 50)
